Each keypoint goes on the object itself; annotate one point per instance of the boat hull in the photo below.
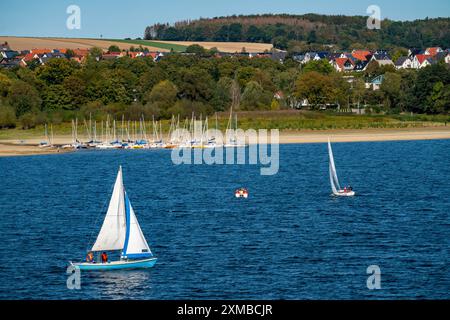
(345, 194)
(117, 265)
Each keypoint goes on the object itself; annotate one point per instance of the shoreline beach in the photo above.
(16, 149)
(365, 135)
(9, 148)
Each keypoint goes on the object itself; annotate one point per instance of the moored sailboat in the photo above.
(121, 232)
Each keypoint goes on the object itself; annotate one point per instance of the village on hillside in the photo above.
(349, 64)
(353, 61)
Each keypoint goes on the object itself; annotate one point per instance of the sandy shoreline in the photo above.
(365, 135)
(10, 148)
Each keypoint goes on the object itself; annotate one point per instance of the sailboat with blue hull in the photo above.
(120, 232)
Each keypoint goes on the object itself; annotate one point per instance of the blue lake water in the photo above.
(289, 240)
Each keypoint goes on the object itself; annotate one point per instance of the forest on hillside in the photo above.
(296, 32)
(180, 84)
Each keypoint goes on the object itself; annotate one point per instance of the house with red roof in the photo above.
(421, 61)
(112, 55)
(59, 51)
(30, 57)
(362, 55)
(343, 64)
(40, 51)
(279, 95)
(134, 55)
(433, 51)
(155, 55)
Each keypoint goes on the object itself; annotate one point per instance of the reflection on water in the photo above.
(118, 284)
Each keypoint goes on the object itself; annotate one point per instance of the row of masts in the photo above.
(126, 134)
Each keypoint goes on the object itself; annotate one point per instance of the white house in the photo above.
(403, 63)
(447, 58)
(420, 61)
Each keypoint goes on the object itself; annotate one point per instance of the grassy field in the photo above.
(153, 44)
(230, 47)
(308, 120)
(24, 43)
(303, 121)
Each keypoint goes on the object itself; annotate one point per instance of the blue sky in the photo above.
(119, 19)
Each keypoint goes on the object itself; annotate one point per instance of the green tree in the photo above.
(70, 53)
(222, 94)
(197, 49)
(255, 98)
(56, 70)
(162, 96)
(275, 105)
(321, 66)
(195, 84)
(114, 49)
(391, 89)
(439, 100)
(23, 98)
(55, 97)
(7, 117)
(245, 75)
(315, 87)
(96, 53)
(5, 84)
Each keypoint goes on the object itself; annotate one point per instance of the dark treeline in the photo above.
(204, 84)
(294, 31)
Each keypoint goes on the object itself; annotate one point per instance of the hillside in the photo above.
(284, 30)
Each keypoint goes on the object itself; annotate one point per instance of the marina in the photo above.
(132, 135)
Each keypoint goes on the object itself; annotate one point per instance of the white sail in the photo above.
(335, 186)
(113, 231)
(135, 244)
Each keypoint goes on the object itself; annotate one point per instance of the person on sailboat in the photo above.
(90, 257)
(104, 257)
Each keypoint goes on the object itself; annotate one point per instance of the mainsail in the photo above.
(335, 186)
(112, 233)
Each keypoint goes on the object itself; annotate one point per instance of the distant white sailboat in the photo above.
(48, 143)
(121, 232)
(335, 186)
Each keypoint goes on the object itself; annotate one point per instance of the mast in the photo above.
(103, 134)
(123, 119)
(90, 126)
(95, 131)
(51, 133)
(76, 130)
(46, 133)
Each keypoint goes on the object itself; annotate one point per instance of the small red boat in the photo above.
(241, 193)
